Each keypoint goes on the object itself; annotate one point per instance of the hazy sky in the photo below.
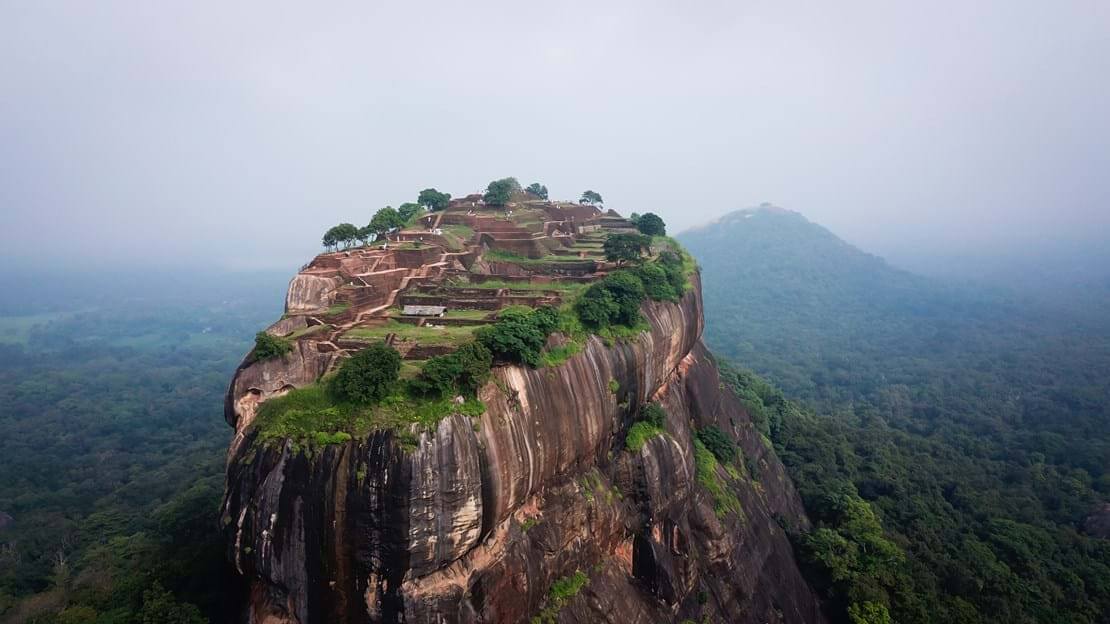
(164, 132)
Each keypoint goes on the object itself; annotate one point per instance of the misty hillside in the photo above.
(783, 292)
(975, 422)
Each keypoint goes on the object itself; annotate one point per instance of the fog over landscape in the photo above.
(741, 312)
(214, 136)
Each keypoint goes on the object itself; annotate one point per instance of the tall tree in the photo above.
(621, 248)
(591, 197)
(407, 210)
(433, 200)
(368, 376)
(384, 221)
(499, 192)
(538, 190)
(651, 224)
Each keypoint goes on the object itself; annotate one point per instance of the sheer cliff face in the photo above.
(485, 515)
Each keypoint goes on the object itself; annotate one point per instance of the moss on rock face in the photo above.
(724, 499)
(560, 593)
(639, 434)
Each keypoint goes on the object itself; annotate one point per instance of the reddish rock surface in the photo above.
(479, 519)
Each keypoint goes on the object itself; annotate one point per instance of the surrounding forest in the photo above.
(113, 443)
(973, 424)
(951, 443)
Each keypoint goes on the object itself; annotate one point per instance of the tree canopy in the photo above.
(538, 190)
(433, 200)
(368, 376)
(344, 233)
(651, 224)
(499, 192)
(614, 300)
(384, 221)
(591, 197)
(623, 248)
(407, 210)
(462, 372)
(519, 335)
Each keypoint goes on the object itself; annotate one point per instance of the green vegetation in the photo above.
(971, 430)
(461, 372)
(424, 334)
(559, 595)
(384, 221)
(519, 335)
(268, 346)
(409, 212)
(368, 376)
(344, 233)
(501, 255)
(718, 443)
(614, 300)
(649, 425)
(651, 224)
(591, 197)
(338, 308)
(433, 200)
(495, 284)
(538, 190)
(499, 192)
(621, 248)
(560, 354)
(639, 434)
(705, 463)
(313, 415)
(463, 232)
(114, 445)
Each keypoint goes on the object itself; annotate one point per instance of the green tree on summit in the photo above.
(407, 210)
(499, 192)
(591, 197)
(433, 200)
(538, 190)
(384, 221)
(344, 233)
(651, 224)
(621, 248)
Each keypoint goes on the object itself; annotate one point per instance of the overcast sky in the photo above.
(234, 134)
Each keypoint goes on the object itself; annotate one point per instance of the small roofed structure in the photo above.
(423, 310)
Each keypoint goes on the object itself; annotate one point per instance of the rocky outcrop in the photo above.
(478, 519)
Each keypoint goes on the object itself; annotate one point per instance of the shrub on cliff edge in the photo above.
(267, 346)
(461, 372)
(368, 376)
(519, 335)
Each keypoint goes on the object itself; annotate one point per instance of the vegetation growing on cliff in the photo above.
(648, 425)
(312, 415)
(268, 346)
(561, 592)
(708, 476)
(368, 376)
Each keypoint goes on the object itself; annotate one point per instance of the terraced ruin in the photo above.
(530, 451)
(470, 259)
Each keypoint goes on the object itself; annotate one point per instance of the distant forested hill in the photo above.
(975, 422)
